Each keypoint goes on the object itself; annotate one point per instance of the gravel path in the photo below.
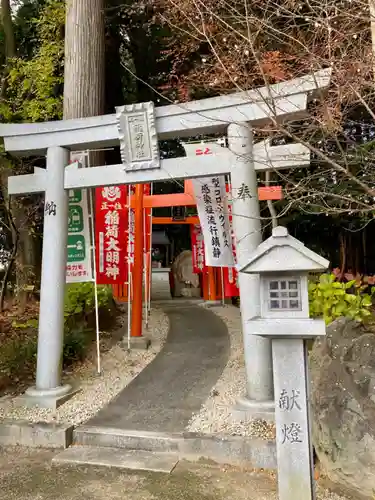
(118, 369)
(215, 415)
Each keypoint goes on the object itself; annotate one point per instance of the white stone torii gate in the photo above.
(57, 139)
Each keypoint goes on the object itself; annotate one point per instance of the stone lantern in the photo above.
(284, 263)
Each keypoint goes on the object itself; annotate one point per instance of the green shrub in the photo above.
(18, 353)
(79, 305)
(76, 342)
(30, 323)
(80, 300)
(333, 299)
(17, 356)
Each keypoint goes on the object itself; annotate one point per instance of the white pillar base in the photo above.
(246, 409)
(213, 303)
(47, 398)
(136, 343)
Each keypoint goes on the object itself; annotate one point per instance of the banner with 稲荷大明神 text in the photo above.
(197, 247)
(111, 234)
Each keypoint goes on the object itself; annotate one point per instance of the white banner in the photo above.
(212, 205)
(79, 258)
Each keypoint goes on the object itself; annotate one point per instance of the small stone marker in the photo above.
(283, 263)
(294, 447)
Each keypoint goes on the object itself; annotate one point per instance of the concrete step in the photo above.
(235, 450)
(127, 439)
(118, 458)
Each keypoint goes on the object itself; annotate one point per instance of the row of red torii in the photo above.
(216, 283)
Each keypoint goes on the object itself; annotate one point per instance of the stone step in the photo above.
(235, 450)
(118, 458)
(128, 439)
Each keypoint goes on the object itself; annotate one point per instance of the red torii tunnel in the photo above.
(211, 279)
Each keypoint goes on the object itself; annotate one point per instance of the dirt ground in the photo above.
(29, 474)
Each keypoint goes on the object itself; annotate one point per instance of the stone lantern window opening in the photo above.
(284, 294)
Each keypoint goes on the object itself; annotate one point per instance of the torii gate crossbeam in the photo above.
(207, 116)
(276, 157)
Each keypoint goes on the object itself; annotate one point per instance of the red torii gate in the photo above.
(139, 202)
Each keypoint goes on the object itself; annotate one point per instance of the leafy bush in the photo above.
(18, 353)
(80, 300)
(76, 343)
(17, 356)
(79, 305)
(30, 323)
(332, 299)
(34, 83)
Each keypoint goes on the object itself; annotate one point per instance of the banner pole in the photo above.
(150, 256)
(129, 266)
(146, 286)
(222, 286)
(93, 246)
(129, 304)
(145, 266)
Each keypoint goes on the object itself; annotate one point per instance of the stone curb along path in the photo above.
(35, 435)
(234, 450)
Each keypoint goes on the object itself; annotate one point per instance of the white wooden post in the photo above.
(258, 402)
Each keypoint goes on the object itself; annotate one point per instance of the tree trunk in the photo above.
(23, 240)
(26, 261)
(4, 174)
(10, 43)
(6, 18)
(84, 67)
(84, 59)
(372, 27)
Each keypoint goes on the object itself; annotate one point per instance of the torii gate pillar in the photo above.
(258, 402)
(48, 392)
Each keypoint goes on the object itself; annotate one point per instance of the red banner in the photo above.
(230, 274)
(230, 282)
(111, 221)
(130, 234)
(147, 233)
(147, 219)
(197, 245)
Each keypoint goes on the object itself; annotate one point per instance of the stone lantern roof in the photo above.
(283, 253)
